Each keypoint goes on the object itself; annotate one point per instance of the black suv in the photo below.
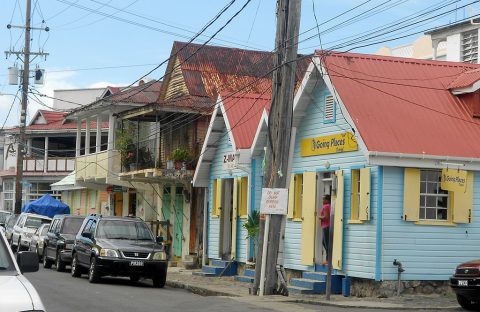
(118, 246)
(58, 242)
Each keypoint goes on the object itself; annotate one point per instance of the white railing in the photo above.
(54, 164)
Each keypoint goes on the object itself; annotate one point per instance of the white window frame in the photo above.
(438, 193)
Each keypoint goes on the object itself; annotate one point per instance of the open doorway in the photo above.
(324, 187)
(225, 250)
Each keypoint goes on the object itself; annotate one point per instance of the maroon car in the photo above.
(466, 285)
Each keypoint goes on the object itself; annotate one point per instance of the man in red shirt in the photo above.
(325, 223)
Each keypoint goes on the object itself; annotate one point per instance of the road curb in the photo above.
(198, 290)
(368, 306)
(203, 291)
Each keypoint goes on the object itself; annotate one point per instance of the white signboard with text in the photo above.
(274, 201)
(230, 161)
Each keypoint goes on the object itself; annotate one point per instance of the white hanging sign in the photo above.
(274, 201)
(230, 161)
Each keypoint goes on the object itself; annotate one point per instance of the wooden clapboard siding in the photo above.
(359, 247)
(426, 252)
(359, 240)
(217, 172)
(176, 84)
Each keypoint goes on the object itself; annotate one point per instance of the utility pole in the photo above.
(23, 111)
(280, 127)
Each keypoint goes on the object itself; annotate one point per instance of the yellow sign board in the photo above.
(454, 180)
(329, 144)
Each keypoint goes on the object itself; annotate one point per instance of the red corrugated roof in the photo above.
(243, 112)
(403, 105)
(52, 116)
(466, 79)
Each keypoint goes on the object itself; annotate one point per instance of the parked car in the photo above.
(9, 227)
(37, 243)
(59, 241)
(18, 294)
(24, 228)
(118, 246)
(4, 216)
(465, 283)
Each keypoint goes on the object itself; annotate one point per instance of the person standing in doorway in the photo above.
(325, 224)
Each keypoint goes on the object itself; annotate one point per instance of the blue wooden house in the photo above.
(233, 179)
(402, 139)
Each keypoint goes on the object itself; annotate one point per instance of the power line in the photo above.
(10, 109)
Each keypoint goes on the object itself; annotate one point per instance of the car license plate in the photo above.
(136, 263)
(462, 283)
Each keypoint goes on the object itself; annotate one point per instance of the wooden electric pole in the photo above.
(23, 112)
(21, 142)
(280, 127)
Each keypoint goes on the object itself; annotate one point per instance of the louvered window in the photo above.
(329, 109)
(469, 46)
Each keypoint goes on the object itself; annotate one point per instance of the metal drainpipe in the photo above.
(400, 269)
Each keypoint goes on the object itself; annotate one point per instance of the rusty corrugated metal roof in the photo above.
(243, 112)
(143, 94)
(403, 105)
(209, 70)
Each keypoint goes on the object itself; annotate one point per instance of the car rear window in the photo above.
(4, 216)
(44, 231)
(71, 225)
(119, 229)
(35, 222)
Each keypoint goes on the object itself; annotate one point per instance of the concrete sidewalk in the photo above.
(227, 286)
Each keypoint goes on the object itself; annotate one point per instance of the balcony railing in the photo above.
(53, 164)
(97, 166)
(140, 156)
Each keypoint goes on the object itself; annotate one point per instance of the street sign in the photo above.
(274, 201)
(230, 161)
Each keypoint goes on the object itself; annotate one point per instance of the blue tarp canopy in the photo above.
(46, 206)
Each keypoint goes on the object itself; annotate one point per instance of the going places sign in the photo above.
(328, 144)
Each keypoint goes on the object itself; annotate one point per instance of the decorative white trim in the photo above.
(227, 123)
(345, 113)
(263, 124)
(204, 147)
(470, 89)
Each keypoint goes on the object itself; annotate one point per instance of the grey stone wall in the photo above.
(385, 289)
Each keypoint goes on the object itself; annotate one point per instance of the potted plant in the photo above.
(180, 156)
(253, 227)
(124, 144)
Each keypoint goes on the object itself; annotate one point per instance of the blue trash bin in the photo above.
(346, 286)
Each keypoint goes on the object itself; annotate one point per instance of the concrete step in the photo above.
(319, 276)
(300, 290)
(243, 278)
(221, 263)
(249, 272)
(315, 285)
(212, 269)
(200, 273)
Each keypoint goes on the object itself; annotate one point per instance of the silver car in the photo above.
(9, 227)
(3, 217)
(18, 294)
(37, 241)
(23, 230)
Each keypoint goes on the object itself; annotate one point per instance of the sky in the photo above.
(96, 43)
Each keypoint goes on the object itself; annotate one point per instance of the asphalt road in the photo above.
(62, 293)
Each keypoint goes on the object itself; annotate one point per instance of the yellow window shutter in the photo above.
(218, 197)
(411, 194)
(291, 197)
(297, 211)
(242, 209)
(364, 208)
(338, 223)
(355, 190)
(214, 198)
(236, 184)
(308, 217)
(463, 202)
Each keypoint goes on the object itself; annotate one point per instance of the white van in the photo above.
(23, 230)
(17, 293)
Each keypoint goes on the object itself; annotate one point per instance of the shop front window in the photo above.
(433, 200)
